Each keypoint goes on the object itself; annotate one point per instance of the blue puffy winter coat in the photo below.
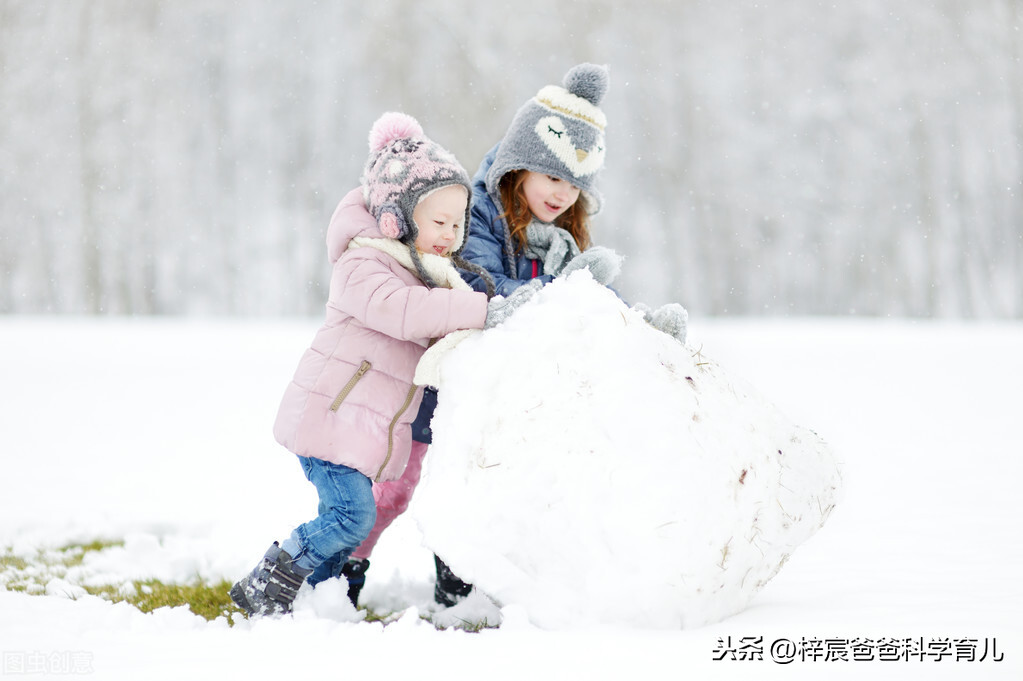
(489, 243)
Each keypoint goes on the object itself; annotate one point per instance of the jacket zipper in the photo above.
(350, 385)
(390, 431)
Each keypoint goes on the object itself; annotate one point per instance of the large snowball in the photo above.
(591, 470)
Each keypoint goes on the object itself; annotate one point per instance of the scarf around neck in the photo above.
(551, 245)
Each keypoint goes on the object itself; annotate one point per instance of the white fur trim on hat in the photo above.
(564, 102)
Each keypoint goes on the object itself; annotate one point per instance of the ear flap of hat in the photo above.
(392, 222)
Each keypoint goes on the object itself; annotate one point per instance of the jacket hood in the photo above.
(481, 181)
(351, 219)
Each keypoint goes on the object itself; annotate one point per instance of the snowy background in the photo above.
(801, 157)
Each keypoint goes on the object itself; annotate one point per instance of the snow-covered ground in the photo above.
(157, 432)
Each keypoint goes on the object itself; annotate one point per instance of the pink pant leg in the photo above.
(392, 498)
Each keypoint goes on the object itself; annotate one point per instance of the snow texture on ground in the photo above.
(157, 432)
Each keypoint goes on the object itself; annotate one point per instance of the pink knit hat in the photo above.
(403, 167)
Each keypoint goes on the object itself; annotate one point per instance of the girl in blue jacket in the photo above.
(535, 191)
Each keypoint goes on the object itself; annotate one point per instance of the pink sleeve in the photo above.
(381, 300)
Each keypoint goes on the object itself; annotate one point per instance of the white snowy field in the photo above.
(157, 433)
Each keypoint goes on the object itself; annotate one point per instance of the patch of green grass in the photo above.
(202, 598)
(373, 616)
(210, 600)
(30, 575)
(74, 554)
(9, 562)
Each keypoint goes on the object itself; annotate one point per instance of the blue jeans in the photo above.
(347, 513)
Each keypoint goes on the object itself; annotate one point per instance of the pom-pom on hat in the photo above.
(404, 166)
(559, 132)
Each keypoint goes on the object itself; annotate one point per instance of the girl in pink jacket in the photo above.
(347, 411)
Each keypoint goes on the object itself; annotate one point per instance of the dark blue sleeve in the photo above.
(421, 426)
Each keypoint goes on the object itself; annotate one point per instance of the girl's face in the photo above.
(439, 217)
(547, 196)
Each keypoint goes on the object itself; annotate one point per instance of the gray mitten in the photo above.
(672, 319)
(500, 308)
(603, 263)
(552, 245)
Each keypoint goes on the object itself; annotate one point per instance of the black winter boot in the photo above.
(354, 571)
(272, 585)
(450, 589)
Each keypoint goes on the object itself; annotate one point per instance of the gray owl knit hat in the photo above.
(559, 132)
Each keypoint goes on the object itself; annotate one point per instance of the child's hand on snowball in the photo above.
(500, 308)
(604, 264)
(670, 318)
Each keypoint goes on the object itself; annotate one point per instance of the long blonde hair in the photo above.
(575, 220)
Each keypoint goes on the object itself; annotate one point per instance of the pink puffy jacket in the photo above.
(352, 399)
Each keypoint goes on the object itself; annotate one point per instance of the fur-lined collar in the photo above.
(438, 267)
